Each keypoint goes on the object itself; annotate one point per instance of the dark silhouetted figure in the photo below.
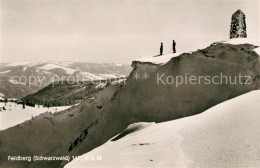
(173, 46)
(161, 49)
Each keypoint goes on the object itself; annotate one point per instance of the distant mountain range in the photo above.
(20, 79)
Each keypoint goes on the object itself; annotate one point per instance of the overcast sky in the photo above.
(114, 31)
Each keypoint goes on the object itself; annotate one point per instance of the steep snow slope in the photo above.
(146, 100)
(226, 135)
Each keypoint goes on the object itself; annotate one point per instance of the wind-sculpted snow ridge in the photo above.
(163, 59)
(237, 41)
(159, 59)
(226, 135)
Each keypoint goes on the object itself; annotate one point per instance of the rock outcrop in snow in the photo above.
(238, 25)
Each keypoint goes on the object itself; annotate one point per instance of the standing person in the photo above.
(161, 49)
(23, 105)
(173, 46)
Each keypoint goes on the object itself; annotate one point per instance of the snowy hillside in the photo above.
(226, 135)
(64, 94)
(223, 136)
(15, 114)
(55, 66)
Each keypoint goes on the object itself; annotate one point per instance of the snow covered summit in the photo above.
(160, 59)
(163, 59)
